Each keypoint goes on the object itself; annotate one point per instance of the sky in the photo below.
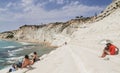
(15, 13)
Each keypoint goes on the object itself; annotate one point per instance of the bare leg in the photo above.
(105, 52)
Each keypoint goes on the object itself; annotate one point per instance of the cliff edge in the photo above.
(58, 33)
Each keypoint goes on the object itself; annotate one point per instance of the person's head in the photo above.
(108, 44)
(35, 53)
(26, 57)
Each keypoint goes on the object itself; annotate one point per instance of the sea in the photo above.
(12, 51)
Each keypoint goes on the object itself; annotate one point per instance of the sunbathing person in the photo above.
(26, 62)
(13, 68)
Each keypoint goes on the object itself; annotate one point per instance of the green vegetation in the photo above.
(10, 36)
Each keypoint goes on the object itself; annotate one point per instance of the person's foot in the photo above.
(106, 58)
(101, 57)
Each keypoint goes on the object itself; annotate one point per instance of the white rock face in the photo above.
(85, 45)
(48, 33)
(51, 33)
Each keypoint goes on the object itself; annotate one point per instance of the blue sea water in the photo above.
(11, 51)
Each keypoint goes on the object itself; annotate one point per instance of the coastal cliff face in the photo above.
(109, 10)
(49, 33)
(56, 33)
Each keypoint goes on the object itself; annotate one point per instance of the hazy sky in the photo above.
(15, 13)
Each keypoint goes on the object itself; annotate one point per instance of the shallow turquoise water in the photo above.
(11, 51)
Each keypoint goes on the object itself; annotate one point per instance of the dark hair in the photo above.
(108, 44)
(35, 53)
(26, 56)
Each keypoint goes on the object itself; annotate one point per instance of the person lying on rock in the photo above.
(24, 64)
(13, 68)
(110, 49)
